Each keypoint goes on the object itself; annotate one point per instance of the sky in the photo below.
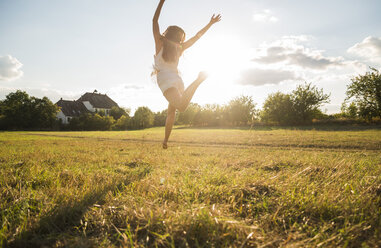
(62, 49)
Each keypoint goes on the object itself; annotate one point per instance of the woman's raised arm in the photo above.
(155, 25)
(195, 38)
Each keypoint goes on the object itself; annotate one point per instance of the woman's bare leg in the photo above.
(189, 92)
(171, 114)
(181, 102)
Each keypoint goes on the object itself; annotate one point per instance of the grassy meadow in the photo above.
(211, 188)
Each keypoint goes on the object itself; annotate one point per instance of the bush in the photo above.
(117, 112)
(124, 123)
(90, 122)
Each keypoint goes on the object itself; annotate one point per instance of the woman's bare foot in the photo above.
(202, 76)
(165, 145)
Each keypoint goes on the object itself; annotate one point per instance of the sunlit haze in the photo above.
(66, 48)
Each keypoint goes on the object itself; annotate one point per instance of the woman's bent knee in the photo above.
(182, 108)
(177, 106)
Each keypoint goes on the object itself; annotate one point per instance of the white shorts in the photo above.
(167, 80)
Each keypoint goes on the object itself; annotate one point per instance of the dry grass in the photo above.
(211, 188)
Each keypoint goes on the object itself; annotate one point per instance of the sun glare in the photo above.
(222, 57)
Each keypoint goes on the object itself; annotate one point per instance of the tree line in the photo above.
(19, 111)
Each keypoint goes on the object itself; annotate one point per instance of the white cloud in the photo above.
(126, 89)
(265, 16)
(257, 77)
(369, 48)
(291, 59)
(290, 51)
(133, 95)
(10, 68)
(133, 87)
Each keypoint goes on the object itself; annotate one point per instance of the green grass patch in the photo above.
(211, 188)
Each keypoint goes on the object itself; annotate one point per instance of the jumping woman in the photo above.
(169, 47)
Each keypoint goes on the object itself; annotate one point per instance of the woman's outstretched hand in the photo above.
(191, 41)
(215, 19)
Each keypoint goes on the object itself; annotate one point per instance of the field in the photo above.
(211, 188)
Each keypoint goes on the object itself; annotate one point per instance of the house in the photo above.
(98, 102)
(70, 109)
(88, 103)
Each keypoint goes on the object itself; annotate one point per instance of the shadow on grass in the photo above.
(64, 220)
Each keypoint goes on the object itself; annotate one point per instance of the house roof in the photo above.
(98, 100)
(72, 108)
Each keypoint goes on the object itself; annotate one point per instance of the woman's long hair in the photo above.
(172, 39)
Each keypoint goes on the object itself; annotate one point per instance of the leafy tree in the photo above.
(366, 91)
(241, 110)
(299, 107)
(306, 101)
(143, 118)
(20, 111)
(160, 118)
(349, 111)
(2, 117)
(219, 115)
(187, 117)
(205, 117)
(1, 107)
(17, 110)
(278, 108)
(117, 112)
(44, 112)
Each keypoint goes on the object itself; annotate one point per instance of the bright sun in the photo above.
(222, 57)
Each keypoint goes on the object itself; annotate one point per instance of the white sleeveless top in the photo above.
(162, 65)
(167, 74)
